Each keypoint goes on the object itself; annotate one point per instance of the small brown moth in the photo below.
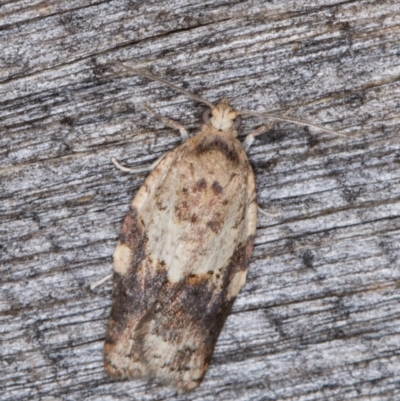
(183, 252)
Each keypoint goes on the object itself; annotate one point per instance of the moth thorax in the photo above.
(223, 116)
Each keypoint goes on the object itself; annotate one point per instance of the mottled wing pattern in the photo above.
(181, 261)
(136, 283)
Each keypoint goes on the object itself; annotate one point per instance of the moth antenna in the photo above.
(291, 120)
(148, 74)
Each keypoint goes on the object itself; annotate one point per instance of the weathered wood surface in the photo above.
(319, 318)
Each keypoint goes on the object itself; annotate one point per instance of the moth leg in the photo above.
(168, 122)
(268, 214)
(249, 140)
(144, 169)
(100, 282)
(246, 145)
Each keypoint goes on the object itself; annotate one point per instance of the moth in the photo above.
(183, 252)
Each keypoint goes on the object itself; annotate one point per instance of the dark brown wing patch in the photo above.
(220, 144)
(188, 317)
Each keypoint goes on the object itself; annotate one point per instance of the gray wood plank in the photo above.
(319, 317)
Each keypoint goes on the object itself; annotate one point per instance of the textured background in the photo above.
(319, 318)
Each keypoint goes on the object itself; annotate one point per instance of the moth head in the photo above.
(222, 117)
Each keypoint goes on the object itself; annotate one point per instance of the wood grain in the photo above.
(319, 318)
